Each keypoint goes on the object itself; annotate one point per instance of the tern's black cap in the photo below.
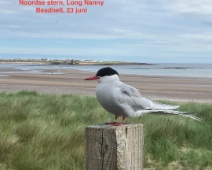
(106, 71)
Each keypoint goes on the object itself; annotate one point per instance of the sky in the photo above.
(150, 31)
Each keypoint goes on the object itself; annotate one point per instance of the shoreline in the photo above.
(186, 89)
(66, 64)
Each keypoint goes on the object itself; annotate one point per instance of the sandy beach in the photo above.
(72, 81)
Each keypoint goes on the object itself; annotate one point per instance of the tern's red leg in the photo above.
(111, 123)
(121, 123)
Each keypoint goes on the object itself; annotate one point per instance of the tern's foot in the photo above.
(118, 124)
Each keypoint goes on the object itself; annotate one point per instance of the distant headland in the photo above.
(45, 61)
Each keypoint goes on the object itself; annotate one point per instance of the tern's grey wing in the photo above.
(131, 96)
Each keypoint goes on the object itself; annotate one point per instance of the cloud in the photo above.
(7, 8)
(119, 28)
(187, 6)
(201, 10)
(203, 39)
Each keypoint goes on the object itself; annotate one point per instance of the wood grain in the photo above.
(114, 148)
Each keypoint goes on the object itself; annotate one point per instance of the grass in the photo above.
(46, 132)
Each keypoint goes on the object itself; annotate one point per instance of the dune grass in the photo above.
(46, 132)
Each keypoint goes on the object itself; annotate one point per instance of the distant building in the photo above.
(44, 59)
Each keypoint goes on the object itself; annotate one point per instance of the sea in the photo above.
(181, 70)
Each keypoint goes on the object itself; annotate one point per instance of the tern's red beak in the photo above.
(92, 78)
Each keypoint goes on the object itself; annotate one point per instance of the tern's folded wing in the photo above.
(130, 96)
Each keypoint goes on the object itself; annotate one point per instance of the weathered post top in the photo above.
(114, 147)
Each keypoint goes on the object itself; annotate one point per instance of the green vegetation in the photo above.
(46, 132)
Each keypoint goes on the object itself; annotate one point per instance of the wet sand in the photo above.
(72, 81)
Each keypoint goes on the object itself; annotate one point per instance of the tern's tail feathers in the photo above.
(159, 106)
(171, 112)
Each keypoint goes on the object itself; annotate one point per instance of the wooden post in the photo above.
(114, 147)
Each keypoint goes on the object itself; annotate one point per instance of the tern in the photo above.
(124, 100)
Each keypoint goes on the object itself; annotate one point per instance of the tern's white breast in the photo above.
(105, 93)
